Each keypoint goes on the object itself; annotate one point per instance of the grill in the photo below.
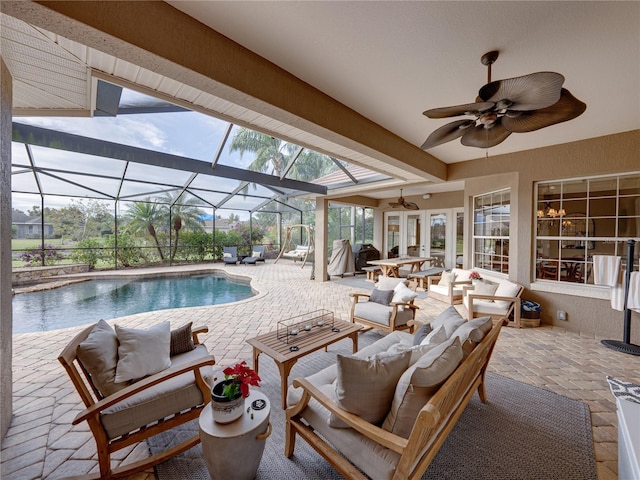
(362, 253)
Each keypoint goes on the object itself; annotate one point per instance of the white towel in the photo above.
(617, 293)
(633, 301)
(606, 269)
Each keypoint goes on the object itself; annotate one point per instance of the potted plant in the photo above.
(227, 396)
(474, 277)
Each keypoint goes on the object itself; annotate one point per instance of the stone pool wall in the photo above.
(30, 275)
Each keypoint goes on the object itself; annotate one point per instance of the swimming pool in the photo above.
(87, 302)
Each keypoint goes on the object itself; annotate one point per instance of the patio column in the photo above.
(6, 327)
(322, 226)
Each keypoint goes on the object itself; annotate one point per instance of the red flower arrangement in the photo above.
(242, 377)
(474, 276)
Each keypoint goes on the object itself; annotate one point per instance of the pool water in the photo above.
(87, 302)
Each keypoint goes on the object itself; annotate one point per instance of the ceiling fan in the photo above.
(514, 105)
(401, 202)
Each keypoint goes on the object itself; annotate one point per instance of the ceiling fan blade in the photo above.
(447, 132)
(411, 206)
(481, 137)
(567, 108)
(529, 92)
(457, 110)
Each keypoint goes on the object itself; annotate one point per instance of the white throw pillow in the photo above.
(403, 294)
(255, 254)
(446, 278)
(484, 288)
(142, 352)
(389, 283)
(227, 255)
(436, 337)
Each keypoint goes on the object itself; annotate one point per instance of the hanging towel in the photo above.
(617, 293)
(633, 301)
(606, 269)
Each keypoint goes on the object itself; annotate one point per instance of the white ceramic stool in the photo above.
(234, 450)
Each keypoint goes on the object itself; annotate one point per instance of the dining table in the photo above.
(390, 267)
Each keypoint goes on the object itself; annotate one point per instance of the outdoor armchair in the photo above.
(125, 413)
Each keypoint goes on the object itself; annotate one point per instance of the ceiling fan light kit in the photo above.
(513, 105)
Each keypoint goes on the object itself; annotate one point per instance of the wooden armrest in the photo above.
(414, 324)
(356, 296)
(141, 385)
(493, 297)
(197, 331)
(462, 282)
(433, 279)
(377, 434)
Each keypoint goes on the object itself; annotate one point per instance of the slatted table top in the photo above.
(279, 349)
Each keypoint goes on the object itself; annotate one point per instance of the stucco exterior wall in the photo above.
(6, 327)
(588, 312)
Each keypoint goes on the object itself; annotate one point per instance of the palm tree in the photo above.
(184, 213)
(269, 156)
(142, 216)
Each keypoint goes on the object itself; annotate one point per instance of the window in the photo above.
(491, 219)
(579, 218)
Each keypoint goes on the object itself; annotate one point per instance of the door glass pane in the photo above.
(413, 235)
(459, 238)
(393, 236)
(438, 227)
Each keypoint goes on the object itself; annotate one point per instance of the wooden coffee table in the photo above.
(286, 359)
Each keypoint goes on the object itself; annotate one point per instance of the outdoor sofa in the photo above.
(370, 418)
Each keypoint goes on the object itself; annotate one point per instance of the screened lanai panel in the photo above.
(159, 175)
(218, 184)
(242, 202)
(212, 198)
(61, 160)
(19, 154)
(140, 191)
(55, 186)
(23, 180)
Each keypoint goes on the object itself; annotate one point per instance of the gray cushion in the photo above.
(383, 297)
(474, 330)
(365, 387)
(98, 353)
(159, 401)
(421, 333)
(419, 383)
(451, 320)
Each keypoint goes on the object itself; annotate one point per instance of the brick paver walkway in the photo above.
(41, 443)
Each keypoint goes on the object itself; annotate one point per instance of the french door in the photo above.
(426, 233)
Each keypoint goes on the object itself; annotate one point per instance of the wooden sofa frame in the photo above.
(95, 404)
(432, 426)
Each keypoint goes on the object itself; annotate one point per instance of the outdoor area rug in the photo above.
(523, 432)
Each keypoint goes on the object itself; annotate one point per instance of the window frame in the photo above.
(500, 238)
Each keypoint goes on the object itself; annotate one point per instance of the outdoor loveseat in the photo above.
(373, 416)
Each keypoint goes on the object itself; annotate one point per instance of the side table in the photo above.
(234, 450)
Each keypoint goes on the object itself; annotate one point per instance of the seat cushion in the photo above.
(487, 308)
(373, 312)
(157, 402)
(444, 290)
(419, 383)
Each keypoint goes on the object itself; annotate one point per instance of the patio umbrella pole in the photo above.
(626, 346)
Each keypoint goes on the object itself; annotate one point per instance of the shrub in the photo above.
(88, 251)
(34, 256)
